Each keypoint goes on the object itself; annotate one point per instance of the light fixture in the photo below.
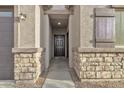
(59, 23)
(22, 16)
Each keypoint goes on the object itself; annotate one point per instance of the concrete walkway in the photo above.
(7, 84)
(58, 75)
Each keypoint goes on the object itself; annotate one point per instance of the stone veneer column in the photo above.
(28, 66)
(28, 56)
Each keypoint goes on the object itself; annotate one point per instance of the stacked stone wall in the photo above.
(28, 68)
(96, 65)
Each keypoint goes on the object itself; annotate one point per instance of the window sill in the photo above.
(27, 50)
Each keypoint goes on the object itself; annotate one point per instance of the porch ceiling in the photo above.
(62, 18)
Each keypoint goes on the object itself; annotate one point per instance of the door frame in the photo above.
(67, 45)
(64, 34)
(64, 44)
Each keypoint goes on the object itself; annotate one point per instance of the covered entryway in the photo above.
(59, 30)
(57, 25)
(6, 43)
(59, 45)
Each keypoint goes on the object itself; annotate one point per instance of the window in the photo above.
(119, 28)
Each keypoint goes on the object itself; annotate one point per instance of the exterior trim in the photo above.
(109, 50)
(103, 12)
(57, 12)
(27, 50)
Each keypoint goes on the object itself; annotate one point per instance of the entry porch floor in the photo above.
(7, 84)
(58, 75)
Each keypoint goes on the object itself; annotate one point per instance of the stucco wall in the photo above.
(16, 27)
(76, 27)
(27, 32)
(27, 27)
(50, 42)
(74, 31)
(42, 28)
(37, 26)
(59, 31)
(47, 38)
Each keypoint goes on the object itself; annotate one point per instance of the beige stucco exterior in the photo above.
(74, 31)
(80, 31)
(34, 43)
(31, 26)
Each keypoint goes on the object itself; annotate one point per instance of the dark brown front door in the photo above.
(59, 45)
